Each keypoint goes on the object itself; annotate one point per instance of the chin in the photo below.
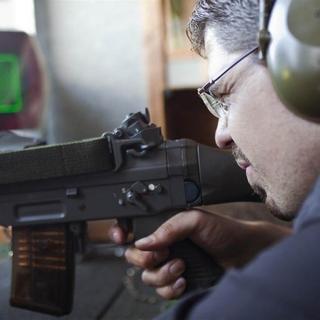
(279, 212)
(275, 209)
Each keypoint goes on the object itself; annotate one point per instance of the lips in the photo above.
(243, 164)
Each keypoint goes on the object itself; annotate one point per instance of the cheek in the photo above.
(267, 134)
(259, 124)
(254, 130)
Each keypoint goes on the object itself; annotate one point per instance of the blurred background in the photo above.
(106, 58)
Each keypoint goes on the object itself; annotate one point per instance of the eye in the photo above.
(222, 102)
(224, 105)
(220, 99)
(218, 107)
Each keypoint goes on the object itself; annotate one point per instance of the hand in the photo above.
(232, 243)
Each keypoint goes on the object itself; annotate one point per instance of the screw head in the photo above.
(157, 188)
(118, 133)
(151, 187)
(130, 195)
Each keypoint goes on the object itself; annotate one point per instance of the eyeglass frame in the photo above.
(211, 101)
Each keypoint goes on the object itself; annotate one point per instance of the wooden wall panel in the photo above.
(155, 53)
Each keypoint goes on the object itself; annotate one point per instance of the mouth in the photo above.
(243, 164)
(241, 159)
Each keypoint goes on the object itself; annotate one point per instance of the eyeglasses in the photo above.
(212, 102)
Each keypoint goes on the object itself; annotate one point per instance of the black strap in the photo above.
(53, 161)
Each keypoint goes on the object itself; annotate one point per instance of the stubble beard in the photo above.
(274, 209)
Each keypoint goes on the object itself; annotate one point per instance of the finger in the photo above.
(145, 259)
(175, 229)
(172, 291)
(166, 275)
(117, 234)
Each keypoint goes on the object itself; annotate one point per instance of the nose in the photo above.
(222, 135)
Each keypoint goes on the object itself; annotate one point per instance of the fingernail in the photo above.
(180, 283)
(176, 268)
(144, 241)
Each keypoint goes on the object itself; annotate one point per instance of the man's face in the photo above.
(279, 151)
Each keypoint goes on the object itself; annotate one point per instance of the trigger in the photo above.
(125, 224)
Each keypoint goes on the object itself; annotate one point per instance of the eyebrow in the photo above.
(235, 63)
(208, 85)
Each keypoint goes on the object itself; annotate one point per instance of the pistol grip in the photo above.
(201, 270)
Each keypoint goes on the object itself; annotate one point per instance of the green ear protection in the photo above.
(290, 44)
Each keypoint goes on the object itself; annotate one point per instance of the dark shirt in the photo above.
(283, 282)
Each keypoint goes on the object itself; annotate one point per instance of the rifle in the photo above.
(47, 193)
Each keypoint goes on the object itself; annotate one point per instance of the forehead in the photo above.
(218, 57)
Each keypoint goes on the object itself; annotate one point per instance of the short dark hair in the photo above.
(235, 21)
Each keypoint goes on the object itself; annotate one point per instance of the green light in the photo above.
(10, 84)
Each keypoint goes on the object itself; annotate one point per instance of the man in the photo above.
(280, 153)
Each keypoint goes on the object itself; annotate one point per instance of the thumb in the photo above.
(177, 228)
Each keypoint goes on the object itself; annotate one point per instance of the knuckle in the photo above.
(196, 215)
(166, 230)
(161, 255)
(154, 258)
(137, 257)
(151, 278)
(160, 277)
(163, 277)
(175, 268)
(146, 259)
